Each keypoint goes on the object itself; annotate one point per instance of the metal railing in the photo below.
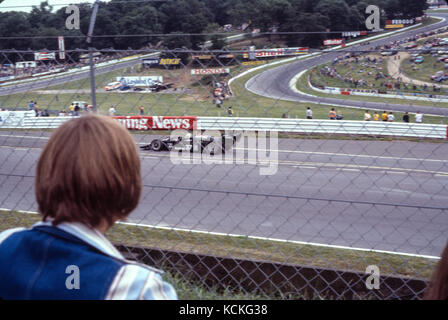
(328, 127)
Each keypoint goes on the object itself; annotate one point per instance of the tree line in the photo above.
(159, 19)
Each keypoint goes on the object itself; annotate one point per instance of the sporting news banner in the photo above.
(145, 123)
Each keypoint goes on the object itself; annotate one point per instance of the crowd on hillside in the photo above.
(370, 67)
(221, 92)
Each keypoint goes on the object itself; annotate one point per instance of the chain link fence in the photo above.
(346, 214)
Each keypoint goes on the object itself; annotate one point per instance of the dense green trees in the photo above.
(194, 17)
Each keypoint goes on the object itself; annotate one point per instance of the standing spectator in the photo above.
(230, 111)
(141, 110)
(309, 113)
(406, 117)
(111, 111)
(71, 109)
(332, 114)
(78, 204)
(376, 116)
(418, 117)
(31, 105)
(36, 109)
(77, 110)
(384, 116)
(390, 117)
(367, 116)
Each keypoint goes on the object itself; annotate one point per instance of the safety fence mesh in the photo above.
(327, 175)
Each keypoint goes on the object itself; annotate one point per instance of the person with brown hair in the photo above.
(438, 286)
(88, 177)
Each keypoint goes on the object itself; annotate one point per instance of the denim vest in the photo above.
(34, 264)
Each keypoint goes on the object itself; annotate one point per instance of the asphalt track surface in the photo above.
(61, 79)
(274, 83)
(365, 194)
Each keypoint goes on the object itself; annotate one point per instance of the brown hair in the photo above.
(88, 172)
(438, 286)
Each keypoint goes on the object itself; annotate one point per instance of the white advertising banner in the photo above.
(144, 80)
(41, 56)
(61, 46)
(209, 71)
(14, 118)
(332, 42)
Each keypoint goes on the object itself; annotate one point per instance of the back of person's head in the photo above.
(438, 286)
(88, 172)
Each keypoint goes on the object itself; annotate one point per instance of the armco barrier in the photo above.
(357, 92)
(372, 128)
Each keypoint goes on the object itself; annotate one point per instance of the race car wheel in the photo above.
(156, 145)
(213, 149)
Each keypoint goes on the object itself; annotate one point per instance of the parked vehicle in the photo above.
(113, 86)
(438, 74)
(419, 59)
(125, 87)
(389, 52)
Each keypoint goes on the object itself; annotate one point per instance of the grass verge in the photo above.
(242, 247)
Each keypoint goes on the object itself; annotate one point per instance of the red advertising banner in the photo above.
(157, 123)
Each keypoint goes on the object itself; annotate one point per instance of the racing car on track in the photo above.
(194, 143)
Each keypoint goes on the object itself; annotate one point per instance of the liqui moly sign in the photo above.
(157, 123)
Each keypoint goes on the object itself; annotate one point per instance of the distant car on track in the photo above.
(194, 143)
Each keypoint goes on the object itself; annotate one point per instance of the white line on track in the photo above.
(262, 238)
(323, 165)
(293, 151)
(22, 137)
(345, 155)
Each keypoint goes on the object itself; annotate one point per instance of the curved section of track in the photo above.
(274, 83)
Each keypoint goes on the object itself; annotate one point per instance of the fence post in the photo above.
(91, 63)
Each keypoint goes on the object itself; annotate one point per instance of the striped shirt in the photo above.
(133, 281)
